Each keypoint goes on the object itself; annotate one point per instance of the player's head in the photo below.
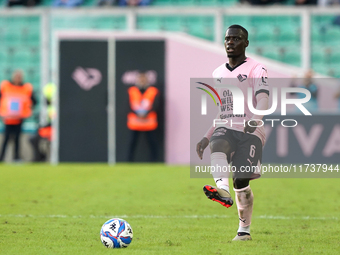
(236, 41)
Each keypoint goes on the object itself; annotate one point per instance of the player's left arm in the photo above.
(261, 91)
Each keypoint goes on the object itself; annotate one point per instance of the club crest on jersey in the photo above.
(241, 77)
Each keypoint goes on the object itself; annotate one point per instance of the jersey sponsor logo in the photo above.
(225, 116)
(220, 79)
(242, 77)
(87, 78)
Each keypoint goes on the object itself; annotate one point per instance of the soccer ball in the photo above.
(116, 233)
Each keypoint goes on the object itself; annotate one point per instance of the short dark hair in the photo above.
(240, 27)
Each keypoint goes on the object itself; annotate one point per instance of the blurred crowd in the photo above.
(75, 3)
(294, 2)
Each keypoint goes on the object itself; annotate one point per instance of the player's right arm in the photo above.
(200, 147)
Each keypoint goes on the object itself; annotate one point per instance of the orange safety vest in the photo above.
(16, 102)
(142, 102)
(46, 132)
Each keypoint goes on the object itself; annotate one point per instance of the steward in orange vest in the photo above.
(142, 117)
(16, 101)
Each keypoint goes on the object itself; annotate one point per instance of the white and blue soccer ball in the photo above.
(116, 233)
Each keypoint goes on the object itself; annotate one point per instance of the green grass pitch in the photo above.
(60, 209)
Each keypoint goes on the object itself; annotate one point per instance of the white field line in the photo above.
(266, 217)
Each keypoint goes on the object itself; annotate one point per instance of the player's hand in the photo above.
(201, 146)
(249, 129)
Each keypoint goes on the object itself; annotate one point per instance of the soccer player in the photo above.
(240, 140)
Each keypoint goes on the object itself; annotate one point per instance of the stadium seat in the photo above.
(3, 56)
(318, 57)
(287, 21)
(334, 70)
(240, 20)
(288, 34)
(200, 26)
(322, 20)
(272, 53)
(46, 2)
(320, 68)
(292, 57)
(229, 2)
(101, 23)
(172, 23)
(209, 2)
(335, 59)
(265, 36)
(184, 2)
(20, 44)
(90, 2)
(317, 36)
(332, 36)
(259, 21)
(149, 23)
(162, 2)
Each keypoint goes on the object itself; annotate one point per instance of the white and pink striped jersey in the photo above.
(249, 73)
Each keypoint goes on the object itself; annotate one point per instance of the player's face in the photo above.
(235, 42)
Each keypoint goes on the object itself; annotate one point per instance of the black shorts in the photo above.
(245, 154)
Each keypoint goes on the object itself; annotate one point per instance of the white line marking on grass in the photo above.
(266, 217)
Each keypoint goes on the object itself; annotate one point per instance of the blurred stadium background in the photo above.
(289, 38)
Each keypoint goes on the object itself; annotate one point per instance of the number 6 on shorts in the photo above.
(252, 151)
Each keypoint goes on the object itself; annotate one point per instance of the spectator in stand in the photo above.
(325, 3)
(106, 2)
(28, 3)
(16, 103)
(263, 2)
(134, 2)
(306, 2)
